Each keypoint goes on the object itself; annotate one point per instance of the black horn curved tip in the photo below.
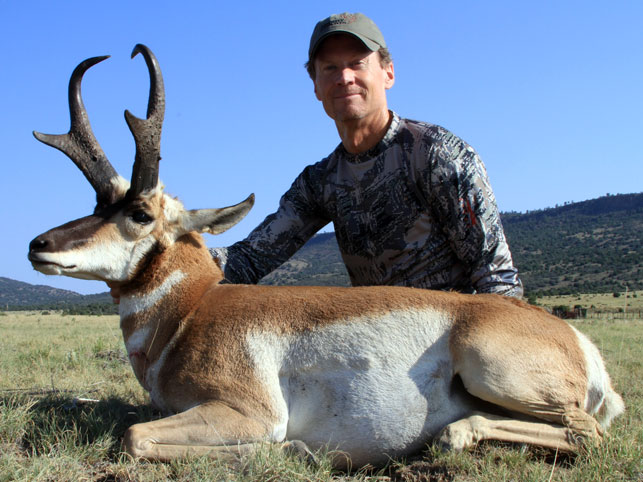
(75, 99)
(82, 67)
(141, 49)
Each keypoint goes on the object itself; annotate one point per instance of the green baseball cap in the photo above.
(356, 24)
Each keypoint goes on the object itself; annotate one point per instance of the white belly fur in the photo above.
(366, 386)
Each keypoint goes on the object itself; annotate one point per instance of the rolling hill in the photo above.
(16, 294)
(587, 247)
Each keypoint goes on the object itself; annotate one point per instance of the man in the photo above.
(410, 202)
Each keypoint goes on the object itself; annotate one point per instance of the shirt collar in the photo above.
(381, 146)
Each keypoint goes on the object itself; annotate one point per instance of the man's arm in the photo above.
(278, 237)
(465, 203)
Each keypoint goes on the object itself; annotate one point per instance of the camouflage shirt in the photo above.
(415, 210)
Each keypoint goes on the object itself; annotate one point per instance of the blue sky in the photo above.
(548, 92)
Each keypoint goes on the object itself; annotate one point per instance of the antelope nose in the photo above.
(38, 244)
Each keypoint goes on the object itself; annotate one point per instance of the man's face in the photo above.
(349, 80)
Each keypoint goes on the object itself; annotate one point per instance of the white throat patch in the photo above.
(131, 305)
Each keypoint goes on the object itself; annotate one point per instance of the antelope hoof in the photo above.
(454, 438)
(136, 444)
(300, 450)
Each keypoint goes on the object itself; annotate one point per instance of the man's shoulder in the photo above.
(430, 133)
(315, 174)
(326, 164)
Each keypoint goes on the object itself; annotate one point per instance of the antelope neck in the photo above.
(154, 304)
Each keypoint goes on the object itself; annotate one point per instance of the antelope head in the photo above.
(131, 220)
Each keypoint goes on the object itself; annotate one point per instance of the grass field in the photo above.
(630, 302)
(67, 394)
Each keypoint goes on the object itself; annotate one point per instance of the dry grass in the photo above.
(53, 366)
(632, 301)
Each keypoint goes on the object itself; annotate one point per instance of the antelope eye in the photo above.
(141, 217)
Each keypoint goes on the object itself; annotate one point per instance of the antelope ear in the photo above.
(216, 221)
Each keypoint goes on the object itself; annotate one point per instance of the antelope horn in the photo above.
(80, 144)
(147, 132)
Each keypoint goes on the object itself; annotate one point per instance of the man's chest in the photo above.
(372, 207)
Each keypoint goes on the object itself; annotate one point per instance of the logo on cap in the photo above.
(343, 19)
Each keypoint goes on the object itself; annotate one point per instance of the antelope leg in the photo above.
(467, 432)
(212, 429)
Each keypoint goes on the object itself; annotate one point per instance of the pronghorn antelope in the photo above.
(372, 372)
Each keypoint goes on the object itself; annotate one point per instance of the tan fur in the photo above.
(498, 344)
(490, 338)
(190, 346)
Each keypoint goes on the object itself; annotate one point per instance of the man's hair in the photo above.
(385, 59)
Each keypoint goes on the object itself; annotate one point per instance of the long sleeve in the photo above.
(466, 206)
(277, 238)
